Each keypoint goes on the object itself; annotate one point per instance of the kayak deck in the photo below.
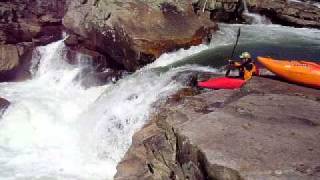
(301, 72)
(222, 83)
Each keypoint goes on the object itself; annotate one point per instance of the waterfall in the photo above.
(56, 129)
(254, 18)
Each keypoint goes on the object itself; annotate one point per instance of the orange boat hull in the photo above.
(301, 72)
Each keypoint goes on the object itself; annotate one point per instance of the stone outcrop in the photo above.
(288, 12)
(31, 21)
(130, 34)
(228, 11)
(25, 24)
(14, 61)
(267, 130)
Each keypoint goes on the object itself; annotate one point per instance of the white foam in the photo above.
(254, 18)
(55, 129)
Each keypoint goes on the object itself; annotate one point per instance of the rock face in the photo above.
(23, 25)
(131, 34)
(267, 130)
(31, 21)
(221, 10)
(288, 12)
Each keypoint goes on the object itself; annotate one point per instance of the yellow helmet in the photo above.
(245, 55)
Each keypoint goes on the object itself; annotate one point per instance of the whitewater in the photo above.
(57, 129)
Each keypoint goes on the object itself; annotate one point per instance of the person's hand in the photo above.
(231, 62)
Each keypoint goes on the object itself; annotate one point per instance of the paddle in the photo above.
(235, 46)
(232, 54)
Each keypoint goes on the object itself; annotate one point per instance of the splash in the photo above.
(254, 18)
(56, 129)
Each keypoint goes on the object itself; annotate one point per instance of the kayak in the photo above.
(301, 72)
(222, 83)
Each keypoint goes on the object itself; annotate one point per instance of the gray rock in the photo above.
(266, 130)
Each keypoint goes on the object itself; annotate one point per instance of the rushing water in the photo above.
(56, 129)
(260, 40)
(253, 18)
(316, 3)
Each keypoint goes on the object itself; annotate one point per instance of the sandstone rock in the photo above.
(134, 33)
(267, 130)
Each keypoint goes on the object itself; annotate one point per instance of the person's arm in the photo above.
(237, 64)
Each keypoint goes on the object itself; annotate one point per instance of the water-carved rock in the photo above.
(134, 33)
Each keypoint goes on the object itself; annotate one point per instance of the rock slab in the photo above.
(267, 130)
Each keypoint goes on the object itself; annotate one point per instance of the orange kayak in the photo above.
(301, 72)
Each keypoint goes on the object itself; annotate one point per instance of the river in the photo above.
(56, 129)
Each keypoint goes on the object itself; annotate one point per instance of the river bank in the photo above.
(266, 130)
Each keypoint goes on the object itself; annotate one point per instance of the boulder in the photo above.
(267, 130)
(15, 61)
(9, 57)
(228, 11)
(134, 33)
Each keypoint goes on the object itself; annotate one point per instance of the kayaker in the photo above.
(246, 67)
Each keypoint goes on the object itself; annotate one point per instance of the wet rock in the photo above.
(134, 33)
(228, 11)
(4, 104)
(266, 130)
(90, 77)
(14, 61)
(25, 24)
(288, 12)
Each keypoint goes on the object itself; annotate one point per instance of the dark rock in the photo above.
(266, 130)
(134, 33)
(23, 21)
(90, 77)
(228, 11)
(25, 24)
(4, 104)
